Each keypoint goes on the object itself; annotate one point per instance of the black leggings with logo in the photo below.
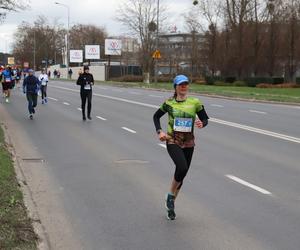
(86, 95)
(182, 158)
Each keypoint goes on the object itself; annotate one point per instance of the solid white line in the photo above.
(162, 145)
(79, 109)
(158, 96)
(101, 118)
(231, 124)
(129, 130)
(51, 98)
(258, 112)
(257, 130)
(245, 183)
(66, 103)
(217, 105)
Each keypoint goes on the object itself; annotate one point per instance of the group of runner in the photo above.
(184, 114)
(9, 77)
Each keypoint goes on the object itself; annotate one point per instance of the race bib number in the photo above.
(7, 79)
(183, 124)
(87, 87)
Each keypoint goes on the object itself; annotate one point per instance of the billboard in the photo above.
(10, 60)
(92, 51)
(76, 56)
(113, 47)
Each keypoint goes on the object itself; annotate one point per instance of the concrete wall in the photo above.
(97, 71)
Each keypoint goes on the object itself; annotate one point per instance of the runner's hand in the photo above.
(162, 136)
(199, 123)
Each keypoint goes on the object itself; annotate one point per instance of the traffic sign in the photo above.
(156, 54)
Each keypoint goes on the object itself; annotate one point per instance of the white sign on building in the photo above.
(92, 51)
(113, 47)
(76, 56)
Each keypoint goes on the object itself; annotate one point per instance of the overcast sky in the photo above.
(98, 12)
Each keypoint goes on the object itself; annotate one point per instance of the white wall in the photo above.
(97, 71)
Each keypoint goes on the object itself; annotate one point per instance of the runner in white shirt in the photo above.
(43, 78)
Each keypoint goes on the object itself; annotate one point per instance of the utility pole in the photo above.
(156, 43)
(34, 51)
(68, 31)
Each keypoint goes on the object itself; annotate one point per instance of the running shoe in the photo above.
(43, 101)
(83, 118)
(171, 215)
(7, 100)
(31, 117)
(89, 117)
(170, 202)
(33, 110)
(46, 101)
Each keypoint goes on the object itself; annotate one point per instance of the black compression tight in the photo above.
(182, 158)
(86, 95)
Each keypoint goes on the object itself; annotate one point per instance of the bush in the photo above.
(278, 80)
(239, 84)
(128, 78)
(298, 80)
(210, 80)
(230, 79)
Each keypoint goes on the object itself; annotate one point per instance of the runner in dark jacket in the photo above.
(86, 81)
(31, 86)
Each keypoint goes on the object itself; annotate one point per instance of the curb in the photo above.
(43, 239)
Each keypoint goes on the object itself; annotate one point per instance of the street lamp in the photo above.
(68, 45)
(156, 43)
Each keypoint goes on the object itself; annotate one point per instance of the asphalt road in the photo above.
(242, 192)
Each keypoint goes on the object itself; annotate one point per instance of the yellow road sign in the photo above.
(156, 54)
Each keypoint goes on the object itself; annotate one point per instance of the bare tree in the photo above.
(81, 35)
(11, 5)
(38, 42)
(139, 16)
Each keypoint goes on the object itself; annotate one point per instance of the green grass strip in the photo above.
(16, 231)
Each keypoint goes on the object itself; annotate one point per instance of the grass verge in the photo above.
(286, 95)
(16, 231)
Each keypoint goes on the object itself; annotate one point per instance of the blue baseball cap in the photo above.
(30, 71)
(179, 79)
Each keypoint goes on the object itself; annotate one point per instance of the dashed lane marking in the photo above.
(248, 184)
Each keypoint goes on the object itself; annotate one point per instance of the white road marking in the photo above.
(101, 118)
(231, 124)
(245, 183)
(217, 105)
(51, 98)
(258, 112)
(129, 130)
(102, 88)
(257, 130)
(79, 109)
(66, 103)
(162, 145)
(117, 90)
(158, 96)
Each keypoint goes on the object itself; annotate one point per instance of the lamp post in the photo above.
(68, 44)
(156, 42)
